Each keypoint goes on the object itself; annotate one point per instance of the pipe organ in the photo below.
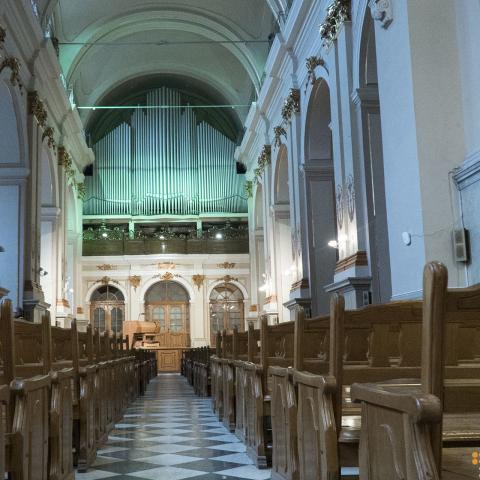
(164, 162)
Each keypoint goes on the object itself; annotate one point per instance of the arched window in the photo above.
(226, 309)
(167, 304)
(107, 308)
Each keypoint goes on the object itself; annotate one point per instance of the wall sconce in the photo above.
(42, 272)
(2, 250)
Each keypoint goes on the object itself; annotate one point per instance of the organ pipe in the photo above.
(164, 162)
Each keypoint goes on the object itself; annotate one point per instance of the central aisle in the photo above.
(171, 434)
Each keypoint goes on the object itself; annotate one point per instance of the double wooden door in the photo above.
(174, 333)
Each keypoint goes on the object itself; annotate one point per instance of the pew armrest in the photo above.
(402, 397)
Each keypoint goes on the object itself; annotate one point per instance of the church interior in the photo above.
(239, 239)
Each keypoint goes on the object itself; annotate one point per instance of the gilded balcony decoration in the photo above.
(13, 64)
(106, 266)
(249, 188)
(337, 13)
(312, 63)
(37, 108)
(264, 159)
(48, 134)
(279, 132)
(198, 280)
(226, 265)
(134, 281)
(291, 104)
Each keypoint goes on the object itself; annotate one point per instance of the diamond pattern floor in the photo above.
(172, 434)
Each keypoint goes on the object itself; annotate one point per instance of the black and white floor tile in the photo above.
(172, 434)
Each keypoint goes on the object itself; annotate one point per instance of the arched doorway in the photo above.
(107, 309)
(282, 234)
(320, 196)
(226, 310)
(167, 304)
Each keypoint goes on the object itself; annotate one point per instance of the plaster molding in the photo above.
(469, 172)
(382, 11)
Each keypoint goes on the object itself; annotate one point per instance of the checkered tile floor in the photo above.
(172, 434)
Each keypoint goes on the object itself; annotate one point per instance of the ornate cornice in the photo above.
(337, 13)
(37, 108)
(279, 131)
(382, 11)
(291, 104)
(312, 63)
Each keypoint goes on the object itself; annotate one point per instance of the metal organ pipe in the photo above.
(164, 163)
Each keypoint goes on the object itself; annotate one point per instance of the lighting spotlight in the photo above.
(218, 236)
(104, 235)
(333, 244)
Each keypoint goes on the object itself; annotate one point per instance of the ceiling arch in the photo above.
(222, 43)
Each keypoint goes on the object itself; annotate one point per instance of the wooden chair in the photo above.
(402, 430)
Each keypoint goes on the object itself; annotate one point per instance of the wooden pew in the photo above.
(217, 377)
(276, 349)
(402, 432)
(309, 354)
(61, 366)
(246, 351)
(378, 342)
(229, 355)
(86, 422)
(25, 360)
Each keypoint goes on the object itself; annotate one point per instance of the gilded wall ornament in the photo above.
(166, 266)
(81, 190)
(13, 64)
(106, 280)
(337, 13)
(264, 159)
(291, 104)
(37, 108)
(167, 276)
(106, 266)
(134, 281)
(198, 280)
(48, 133)
(382, 11)
(312, 63)
(3, 36)
(226, 265)
(64, 158)
(249, 188)
(228, 279)
(279, 132)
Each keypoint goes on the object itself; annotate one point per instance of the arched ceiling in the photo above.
(106, 46)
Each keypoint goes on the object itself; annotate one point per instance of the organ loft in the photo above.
(239, 240)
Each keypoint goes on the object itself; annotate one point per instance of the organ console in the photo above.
(148, 335)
